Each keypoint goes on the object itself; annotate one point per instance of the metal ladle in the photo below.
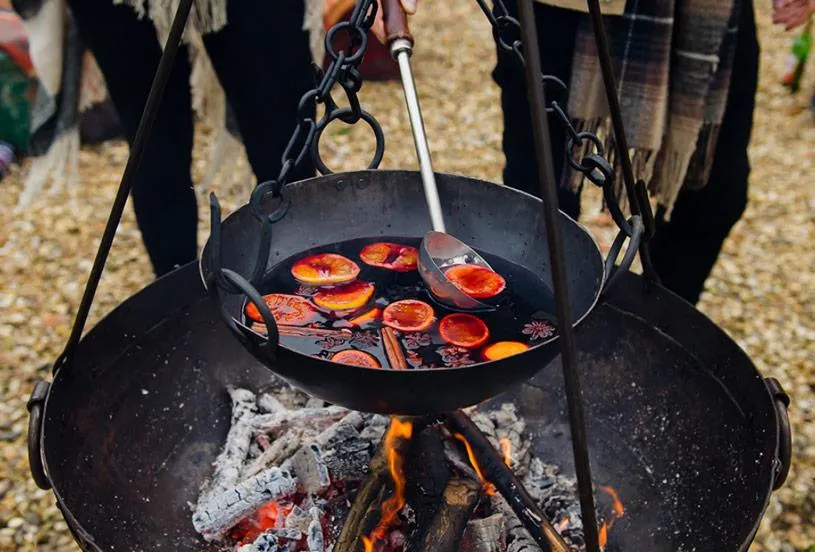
(438, 250)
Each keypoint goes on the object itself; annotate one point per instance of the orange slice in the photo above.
(476, 281)
(288, 310)
(345, 298)
(401, 258)
(356, 358)
(408, 315)
(464, 330)
(325, 269)
(504, 349)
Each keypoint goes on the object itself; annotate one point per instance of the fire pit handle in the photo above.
(613, 270)
(34, 407)
(781, 401)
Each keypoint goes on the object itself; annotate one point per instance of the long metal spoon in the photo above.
(438, 250)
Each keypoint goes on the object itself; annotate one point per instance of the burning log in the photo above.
(346, 451)
(486, 535)
(445, 532)
(495, 471)
(396, 357)
(366, 504)
(517, 537)
(224, 511)
(427, 481)
(279, 450)
(238, 440)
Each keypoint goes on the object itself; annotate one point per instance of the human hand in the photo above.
(379, 26)
(792, 13)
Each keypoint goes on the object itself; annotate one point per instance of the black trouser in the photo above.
(686, 248)
(262, 59)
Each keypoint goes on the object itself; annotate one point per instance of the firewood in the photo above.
(445, 531)
(309, 467)
(319, 418)
(518, 538)
(224, 511)
(269, 404)
(485, 535)
(491, 464)
(366, 503)
(346, 453)
(279, 450)
(427, 476)
(396, 357)
(238, 440)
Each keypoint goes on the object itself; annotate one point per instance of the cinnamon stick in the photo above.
(396, 357)
(297, 331)
(491, 463)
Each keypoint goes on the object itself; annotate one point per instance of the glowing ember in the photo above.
(617, 511)
(398, 429)
(489, 488)
(270, 516)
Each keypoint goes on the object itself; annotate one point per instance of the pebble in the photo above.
(762, 292)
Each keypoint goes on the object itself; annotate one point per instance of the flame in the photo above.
(270, 516)
(617, 511)
(489, 488)
(398, 429)
(506, 449)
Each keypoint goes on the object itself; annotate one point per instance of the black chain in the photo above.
(343, 70)
(593, 166)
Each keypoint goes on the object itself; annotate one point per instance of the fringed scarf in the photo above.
(673, 60)
(70, 82)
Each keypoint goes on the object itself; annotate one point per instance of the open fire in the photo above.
(297, 475)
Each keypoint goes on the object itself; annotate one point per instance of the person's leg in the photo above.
(128, 53)
(686, 248)
(263, 61)
(556, 31)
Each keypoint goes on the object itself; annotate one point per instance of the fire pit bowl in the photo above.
(679, 421)
(488, 217)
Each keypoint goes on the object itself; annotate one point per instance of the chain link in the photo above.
(342, 71)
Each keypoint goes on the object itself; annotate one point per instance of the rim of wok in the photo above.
(315, 181)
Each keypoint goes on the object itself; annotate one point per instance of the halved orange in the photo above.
(288, 310)
(476, 281)
(349, 297)
(503, 349)
(393, 256)
(325, 269)
(408, 315)
(355, 357)
(464, 330)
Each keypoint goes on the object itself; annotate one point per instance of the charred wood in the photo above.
(518, 538)
(238, 440)
(310, 470)
(269, 404)
(485, 535)
(445, 532)
(428, 475)
(279, 450)
(319, 418)
(225, 510)
(492, 465)
(366, 504)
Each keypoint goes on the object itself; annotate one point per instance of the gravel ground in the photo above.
(761, 291)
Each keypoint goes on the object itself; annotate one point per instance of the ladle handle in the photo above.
(396, 23)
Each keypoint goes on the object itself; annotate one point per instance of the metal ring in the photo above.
(502, 24)
(360, 35)
(379, 153)
(612, 271)
(582, 137)
(781, 402)
(564, 91)
(34, 407)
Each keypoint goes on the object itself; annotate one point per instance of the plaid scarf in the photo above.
(673, 60)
